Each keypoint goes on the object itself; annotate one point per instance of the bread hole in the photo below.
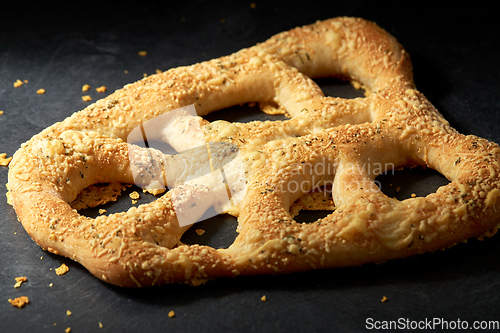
(110, 198)
(313, 206)
(218, 231)
(311, 216)
(269, 111)
(336, 87)
(410, 182)
(246, 113)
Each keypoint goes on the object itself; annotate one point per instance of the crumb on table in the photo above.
(19, 301)
(19, 281)
(4, 160)
(63, 269)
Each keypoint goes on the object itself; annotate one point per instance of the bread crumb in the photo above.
(384, 299)
(63, 269)
(18, 83)
(142, 53)
(40, 91)
(159, 71)
(171, 314)
(101, 89)
(67, 330)
(153, 191)
(1, 112)
(19, 301)
(413, 195)
(263, 298)
(134, 195)
(9, 201)
(200, 232)
(4, 160)
(398, 189)
(86, 98)
(134, 202)
(253, 5)
(85, 87)
(102, 211)
(100, 325)
(51, 284)
(19, 281)
(68, 313)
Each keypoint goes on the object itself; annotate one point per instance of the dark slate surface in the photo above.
(455, 55)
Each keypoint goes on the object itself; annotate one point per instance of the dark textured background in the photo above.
(455, 55)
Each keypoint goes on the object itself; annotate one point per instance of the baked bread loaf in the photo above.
(328, 141)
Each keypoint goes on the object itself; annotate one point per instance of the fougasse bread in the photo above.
(328, 141)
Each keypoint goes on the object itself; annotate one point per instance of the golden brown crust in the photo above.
(355, 140)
